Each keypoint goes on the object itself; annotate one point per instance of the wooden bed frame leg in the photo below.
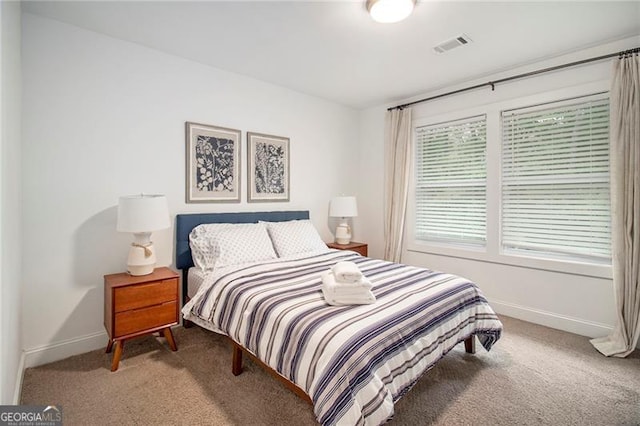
(236, 363)
(187, 323)
(470, 344)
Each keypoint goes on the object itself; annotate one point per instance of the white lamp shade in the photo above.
(343, 207)
(390, 11)
(142, 213)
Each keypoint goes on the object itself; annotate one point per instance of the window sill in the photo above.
(481, 254)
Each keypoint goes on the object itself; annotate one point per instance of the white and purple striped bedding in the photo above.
(353, 361)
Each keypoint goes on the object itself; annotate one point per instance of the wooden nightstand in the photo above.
(137, 305)
(361, 248)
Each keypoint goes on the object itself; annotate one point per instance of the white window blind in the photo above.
(450, 179)
(555, 180)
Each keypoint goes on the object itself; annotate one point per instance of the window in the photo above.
(450, 182)
(555, 180)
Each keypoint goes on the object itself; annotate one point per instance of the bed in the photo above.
(352, 363)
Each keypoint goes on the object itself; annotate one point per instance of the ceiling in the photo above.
(333, 50)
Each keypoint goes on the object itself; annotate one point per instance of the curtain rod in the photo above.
(515, 77)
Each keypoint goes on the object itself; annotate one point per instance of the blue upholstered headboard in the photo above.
(186, 222)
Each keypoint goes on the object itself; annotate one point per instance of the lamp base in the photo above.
(142, 255)
(343, 233)
(136, 270)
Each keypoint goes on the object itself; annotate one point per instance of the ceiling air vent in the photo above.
(461, 40)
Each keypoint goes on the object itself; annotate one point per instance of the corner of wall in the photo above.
(11, 357)
(371, 179)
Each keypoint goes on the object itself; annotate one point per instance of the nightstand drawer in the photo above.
(142, 295)
(146, 318)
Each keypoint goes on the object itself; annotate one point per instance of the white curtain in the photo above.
(625, 206)
(398, 155)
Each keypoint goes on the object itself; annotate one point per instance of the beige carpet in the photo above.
(534, 375)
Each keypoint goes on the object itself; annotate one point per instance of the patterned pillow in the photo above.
(295, 237)
(200, 238)
(223, 244)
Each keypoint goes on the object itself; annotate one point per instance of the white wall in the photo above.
(104, 118)
(10, 276)
(572, 302)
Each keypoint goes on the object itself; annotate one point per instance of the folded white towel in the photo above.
(346, 272)
(332, 286)
(340, 294)
(366, 298)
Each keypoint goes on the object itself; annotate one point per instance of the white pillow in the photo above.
(295, 237)
(199, 241)
(217, 245)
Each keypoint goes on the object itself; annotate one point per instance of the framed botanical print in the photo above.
(268, 167)
(213, 164)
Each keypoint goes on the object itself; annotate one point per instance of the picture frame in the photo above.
(212, 164)
(267, 167)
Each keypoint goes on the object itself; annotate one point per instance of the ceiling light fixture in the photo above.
(390, 11)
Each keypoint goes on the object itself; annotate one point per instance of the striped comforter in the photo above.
(353, 361)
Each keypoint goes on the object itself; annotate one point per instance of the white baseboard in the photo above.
(64, 349)
(18, 389)
(553, 320)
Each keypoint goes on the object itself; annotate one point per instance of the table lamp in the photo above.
(343, 207)
(142, 214)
